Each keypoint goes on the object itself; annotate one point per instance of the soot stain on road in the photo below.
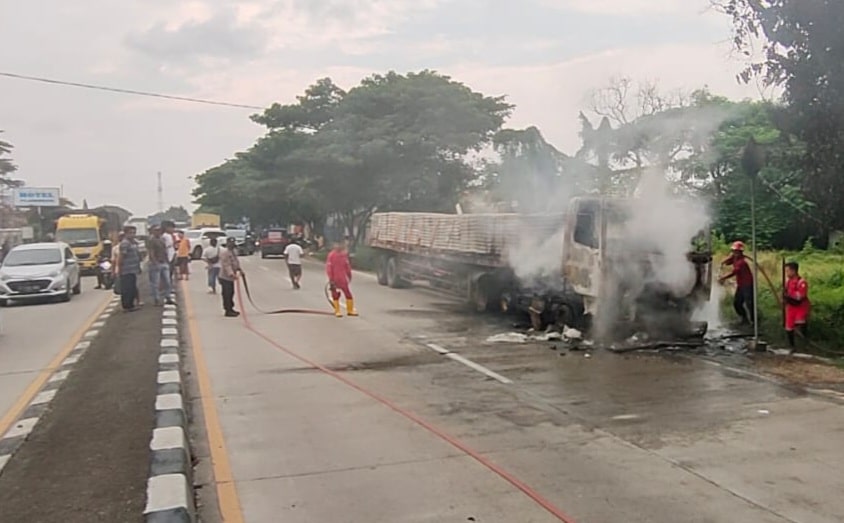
(87, 459)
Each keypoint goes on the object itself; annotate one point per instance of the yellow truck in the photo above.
(85, 233)
(205, 220)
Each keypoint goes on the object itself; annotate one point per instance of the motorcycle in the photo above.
(106, 274)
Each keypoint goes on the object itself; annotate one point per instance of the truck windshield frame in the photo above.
(79, 237)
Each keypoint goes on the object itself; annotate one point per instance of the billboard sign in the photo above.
(37, 197)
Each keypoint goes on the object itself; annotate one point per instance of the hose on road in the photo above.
(276, 311)
(479, 457)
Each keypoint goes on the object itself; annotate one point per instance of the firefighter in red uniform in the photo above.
(797, 305)
(743, 300)
(338, 268)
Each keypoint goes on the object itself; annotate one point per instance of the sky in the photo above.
(546, 56)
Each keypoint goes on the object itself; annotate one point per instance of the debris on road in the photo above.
(508, 337)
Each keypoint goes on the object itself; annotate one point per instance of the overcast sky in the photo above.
(545, 55)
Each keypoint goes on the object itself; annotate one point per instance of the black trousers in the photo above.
(128, 290)
(743, 303)
(227, 287)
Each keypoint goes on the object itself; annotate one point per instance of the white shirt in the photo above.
(170, 244)
(294, 254)
(212, 252)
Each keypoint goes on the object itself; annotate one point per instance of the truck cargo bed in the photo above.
(483, 239)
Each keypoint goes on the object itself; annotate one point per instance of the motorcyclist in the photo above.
(105, 255)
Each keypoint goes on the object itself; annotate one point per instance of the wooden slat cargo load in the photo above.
(486, 237)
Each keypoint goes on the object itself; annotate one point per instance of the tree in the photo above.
(803, 51)
(393, 142)
(7, 167)
(175, 214)
(533, 173)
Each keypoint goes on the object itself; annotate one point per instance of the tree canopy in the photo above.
(803, 52)
(393, 142)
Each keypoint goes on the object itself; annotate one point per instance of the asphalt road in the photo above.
(31, 335)
(87, 458)
(388, 429)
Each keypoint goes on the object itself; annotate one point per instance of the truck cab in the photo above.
(85, 235)
(626, 278)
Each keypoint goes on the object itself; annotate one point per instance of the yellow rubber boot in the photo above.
(350, 307)
(337, 308)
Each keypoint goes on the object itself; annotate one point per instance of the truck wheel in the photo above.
(482, 296)
(381, 270)
(394, 280)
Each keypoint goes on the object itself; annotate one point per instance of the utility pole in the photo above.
(160, 194)
(753, 160)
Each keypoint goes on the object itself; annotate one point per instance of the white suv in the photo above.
(200, 239)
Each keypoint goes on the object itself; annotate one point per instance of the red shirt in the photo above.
(798, 288)
(338, 268)
(741, 270)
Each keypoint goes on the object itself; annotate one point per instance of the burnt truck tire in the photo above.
(394, 279)
(381, 270)
(482, 298)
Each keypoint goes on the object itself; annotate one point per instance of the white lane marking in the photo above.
(59, 376)
(166, 492)
(169, 344)
(437, 348)
(82, 345)
(3, 460)
(169, 376)
(21, 428)
(170, 314)
(169, 307)
(98, 324)
(624, 417)
(92, 333)
(104, 317)
(169, 331)
(169, 321)
(168, 402)
(480, 368)
(168, 358)
(167, 438)
(44, 397)
(70, 360)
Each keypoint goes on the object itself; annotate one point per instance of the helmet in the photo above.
(738, 246)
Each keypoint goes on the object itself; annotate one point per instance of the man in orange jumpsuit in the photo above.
(338, 268)
(797, 306)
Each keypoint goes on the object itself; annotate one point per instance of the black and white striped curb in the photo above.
(23, 426)
(169, 490)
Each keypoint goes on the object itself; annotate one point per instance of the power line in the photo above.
(127, 91)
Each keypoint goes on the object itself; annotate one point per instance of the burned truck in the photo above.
(602, 274)
(465, 254)
(628, 273)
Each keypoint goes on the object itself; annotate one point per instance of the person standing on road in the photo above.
(129, 266)
(797, 305)
(159, 268)
(169, 238)
(293, 253)
(183, 257)
(211, 255)
(743, 300)
(229, 270)
(338, 268)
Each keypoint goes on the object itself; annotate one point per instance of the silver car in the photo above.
(39, 270)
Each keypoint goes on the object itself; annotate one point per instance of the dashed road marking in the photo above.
(439, 349)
